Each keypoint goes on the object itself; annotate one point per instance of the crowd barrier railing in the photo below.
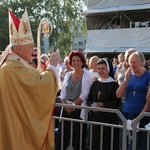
(137, 129)
(122, 126)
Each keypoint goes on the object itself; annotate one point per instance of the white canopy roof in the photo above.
(101, 39)
(94, 4)
(105, 6)
(118, 40)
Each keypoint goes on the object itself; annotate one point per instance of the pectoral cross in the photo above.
(134, 93)
(98, 95)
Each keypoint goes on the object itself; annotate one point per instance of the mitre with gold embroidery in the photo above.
(19, 30)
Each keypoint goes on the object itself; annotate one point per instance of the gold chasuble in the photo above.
(27, 98)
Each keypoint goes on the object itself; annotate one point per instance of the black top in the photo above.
(107, 96)
(105, 93)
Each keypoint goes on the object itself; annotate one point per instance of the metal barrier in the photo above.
(137, 129)
(123, 126)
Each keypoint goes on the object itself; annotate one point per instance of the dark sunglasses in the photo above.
(34, 55)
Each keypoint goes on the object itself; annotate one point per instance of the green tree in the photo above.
(3, 27)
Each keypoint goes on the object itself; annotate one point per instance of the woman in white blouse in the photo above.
(75, 90)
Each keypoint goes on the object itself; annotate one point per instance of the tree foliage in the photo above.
(63, 14)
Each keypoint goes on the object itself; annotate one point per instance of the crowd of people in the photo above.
(127, 89)
(28, 95)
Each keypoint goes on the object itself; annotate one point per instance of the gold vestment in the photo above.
(27, 98)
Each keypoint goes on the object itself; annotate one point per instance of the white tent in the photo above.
(116, 25)
(118, 40)
(101, 4)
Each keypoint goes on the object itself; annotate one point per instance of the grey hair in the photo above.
(140, 56)
(44, 55)
(130, 50)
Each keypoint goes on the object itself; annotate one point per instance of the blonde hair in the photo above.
(66, 59)
(92, 58)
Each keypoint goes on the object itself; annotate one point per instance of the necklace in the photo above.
(98, 94)
(134, 85)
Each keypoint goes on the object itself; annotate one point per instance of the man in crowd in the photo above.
(27, 97)
(122, 67)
